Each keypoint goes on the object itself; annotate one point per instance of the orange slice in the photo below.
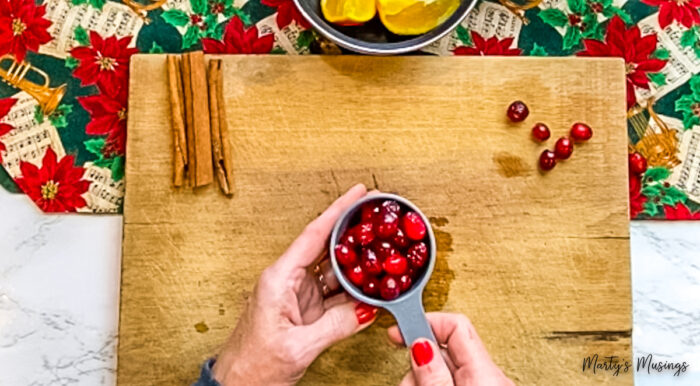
(413, 17)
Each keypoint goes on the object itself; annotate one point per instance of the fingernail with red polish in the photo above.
(422, 353)
(364, 312)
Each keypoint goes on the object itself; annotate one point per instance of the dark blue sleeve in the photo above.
(205, 377)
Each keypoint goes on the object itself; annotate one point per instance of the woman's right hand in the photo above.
(465, 360)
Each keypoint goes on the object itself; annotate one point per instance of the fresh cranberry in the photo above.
(364, 233)
(637, 164)
(370, 262)
(386, 224)
(371, 286)
(413, 226)
(517, 111)
(396, 265)
(383, 249)
(389, 288)
(405, 282)
(391, 206)
(417, 255)
(547, 160)
(400, 239)
(581, 132)
(356, 275)
(540, 132)
(370, 210)
(563, 148)
(345, 255)
(349, 240)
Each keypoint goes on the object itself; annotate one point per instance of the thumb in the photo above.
(429, 368)
(338, 323)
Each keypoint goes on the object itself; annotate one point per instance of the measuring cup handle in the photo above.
(410, 316)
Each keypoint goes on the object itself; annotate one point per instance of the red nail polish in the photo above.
(364, 312)
(422, 353)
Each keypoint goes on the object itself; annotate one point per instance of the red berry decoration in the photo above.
(581, 132)
(417, 255)
(364, 233)
(563, 148)
(637, 163)
(540, 132)
(547, 160)
(400, 239)
(395, 265)
(413, 226)
(386, 224)
(405, 282)
(389, 288)
(345, 255)
(517, 111)
(371, 286)
(370, 262)
(356, 275)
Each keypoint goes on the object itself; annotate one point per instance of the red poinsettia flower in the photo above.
(56, 186)
(105, 62)
(5, 106)
(490, 46)
(22, 27)
(635, 49)
(682, 11)
(286, 13)
(107, 117)
(680, 212)
(637, 199)
(238, 40)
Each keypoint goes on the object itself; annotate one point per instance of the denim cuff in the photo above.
(205, 377)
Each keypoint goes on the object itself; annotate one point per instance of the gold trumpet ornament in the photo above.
(15, 75)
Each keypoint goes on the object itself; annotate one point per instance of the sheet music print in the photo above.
(114, 19)
(286, 38)
(488, 19)
(686, 176)
(104, 195)
(682, 63)
(29, 139)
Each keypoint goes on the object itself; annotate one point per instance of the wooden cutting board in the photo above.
(539, 262)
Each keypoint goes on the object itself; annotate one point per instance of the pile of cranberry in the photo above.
(384, 249)
(579, 132)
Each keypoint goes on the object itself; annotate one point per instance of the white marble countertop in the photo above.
(59, 296)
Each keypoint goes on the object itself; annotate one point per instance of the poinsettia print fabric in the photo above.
(84, 47)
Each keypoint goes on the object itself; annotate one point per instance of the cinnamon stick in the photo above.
(177, 120)
(203, 169)
(189, 122)
(221, 152)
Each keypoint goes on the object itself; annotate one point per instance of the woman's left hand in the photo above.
(288, 323)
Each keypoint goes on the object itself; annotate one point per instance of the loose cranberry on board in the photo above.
(517, 111)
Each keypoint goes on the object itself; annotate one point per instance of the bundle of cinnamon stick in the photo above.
(201, 146)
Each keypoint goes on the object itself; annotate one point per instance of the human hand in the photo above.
(287, 323)
(464, 361)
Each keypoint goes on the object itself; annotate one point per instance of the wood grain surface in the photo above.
(540, 263)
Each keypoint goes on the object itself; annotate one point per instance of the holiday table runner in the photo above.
(65, 68)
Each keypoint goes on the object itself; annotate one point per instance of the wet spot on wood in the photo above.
(594, 335)
(201, 327)
(438, 287)
(510, 165)
(438, 221)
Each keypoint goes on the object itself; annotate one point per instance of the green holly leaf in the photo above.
(81, 36)
(696, 50)
(650, 209)
(659, 78)
(652, 190)
(175, 17)
(191, 37)
(94, 146)
(592, 30)
(695, 87)
(684, 104)
(538, 50)
(117, 168)
(199, 6)
(59, 117)
(577, 6)
(604, 3)
(78, 2)
(278, 51)
(71, 62)
(97, 3)
(233, 11)
(690, 120)
(554, 17)
(305, 38)
(676, 194)
(38, 114)
(689, 38)
(572, 37)
(611, 11)
(155, 49)
(667, 200)
(661, 53)
(464, 36)
(656, 174)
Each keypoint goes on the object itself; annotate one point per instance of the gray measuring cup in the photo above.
(408, 307)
